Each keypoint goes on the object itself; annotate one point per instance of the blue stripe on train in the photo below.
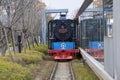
(96, 45)
(63, 45)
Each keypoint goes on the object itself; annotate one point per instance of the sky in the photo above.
(71, 5)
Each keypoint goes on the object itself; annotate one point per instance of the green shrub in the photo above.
(30, 58)
(41, 48)
(5, 58)
(34, 52)
(13, 71)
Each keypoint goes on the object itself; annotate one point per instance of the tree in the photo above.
(21, 16)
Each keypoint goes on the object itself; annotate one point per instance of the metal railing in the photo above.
(96, 66)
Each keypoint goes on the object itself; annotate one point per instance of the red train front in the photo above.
(62, 39)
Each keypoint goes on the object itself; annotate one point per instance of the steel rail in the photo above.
(53, 72)
(72, 72)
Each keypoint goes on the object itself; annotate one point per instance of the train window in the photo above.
(72, 24)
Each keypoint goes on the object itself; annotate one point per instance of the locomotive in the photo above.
(91, 30)
(92, 36)
(63, 39)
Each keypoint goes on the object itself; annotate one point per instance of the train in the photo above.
(63, 39)
(92, 36)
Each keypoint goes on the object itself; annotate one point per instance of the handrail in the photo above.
(96, 66)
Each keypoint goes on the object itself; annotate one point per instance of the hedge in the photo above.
(13, 71)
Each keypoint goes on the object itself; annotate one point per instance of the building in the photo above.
(97, 3)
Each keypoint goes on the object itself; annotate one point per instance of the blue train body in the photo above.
(63, 45)
(96, 45)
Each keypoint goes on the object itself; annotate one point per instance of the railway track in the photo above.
(62, 71)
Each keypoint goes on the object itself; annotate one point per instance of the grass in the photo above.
(41, 48)
(31, 56)
(83, 72)
(42, 70)
(13, 71)
(33, 65)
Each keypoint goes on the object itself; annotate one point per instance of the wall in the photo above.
(116, 37)
(108, 55)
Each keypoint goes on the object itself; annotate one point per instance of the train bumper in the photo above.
(96, 53)
(63, 58)
(63, 54)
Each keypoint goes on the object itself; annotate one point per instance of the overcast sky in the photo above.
(71, 5)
